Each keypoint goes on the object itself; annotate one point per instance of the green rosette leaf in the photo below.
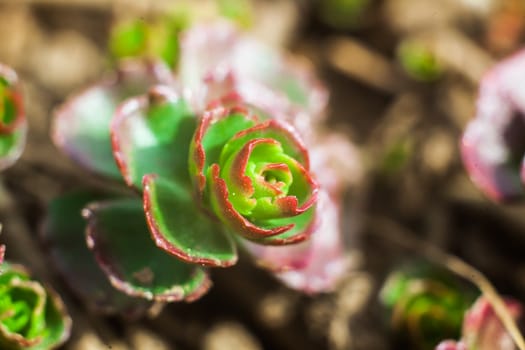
(64, 234)
(427, 305)
(13, 125)
(180, 229)
(254, 176)
(117, 233)
(152, 134)
(31, 316)
(81, 126)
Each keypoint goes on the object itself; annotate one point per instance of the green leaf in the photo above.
(179, 228)
(154, 137)
(81, 126)
(271, 129)
(118, 235)
(211, 135)
(64, 234)
(304, 225)
(12, 145)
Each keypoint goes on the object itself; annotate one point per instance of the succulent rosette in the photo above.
(483, 330)
(215, 167)
(493, 146)
(426, 305)
(31, 315)
(255, 176)
(13, 125)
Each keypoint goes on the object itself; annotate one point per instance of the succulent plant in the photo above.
(31, 315)
(13, 126)
(493, 146)
(483, 330)
(219, 157)
(427, 305)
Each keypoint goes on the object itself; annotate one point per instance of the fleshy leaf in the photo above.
(304, 225)
(152, 135)
(272, 129)
(180, 229)
(12, 145)
(81, 126)
(33, 317)
(13, 124)
(64, 234)
(214, 130)
(118, 235)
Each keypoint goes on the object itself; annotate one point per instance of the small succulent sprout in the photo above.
(13, 125)
(427, 305)
(419, 61)
(31, 315)
(81, 125)
(159, 39)
(492, 146)
(483, 330)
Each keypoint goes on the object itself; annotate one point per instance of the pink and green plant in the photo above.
(493, 146)
(228, 151)
(32, 316)
(483, 330)
(13, 125)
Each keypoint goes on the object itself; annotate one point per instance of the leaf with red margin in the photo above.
(224, 209)
(118, 235)
(152, 134)
(180, 229)
(64, 235)
(303, 226)
(81, 126)
(13, 124)
(215, 128)
(280, 131)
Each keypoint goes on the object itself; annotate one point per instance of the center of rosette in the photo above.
(260, 180)
(16, 305)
